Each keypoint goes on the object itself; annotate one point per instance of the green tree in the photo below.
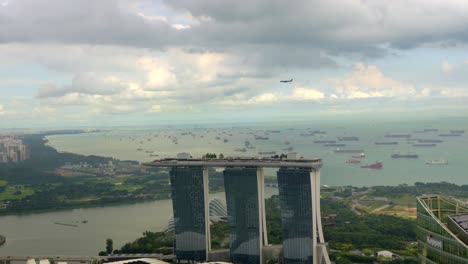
(221, 156)
(109, 245)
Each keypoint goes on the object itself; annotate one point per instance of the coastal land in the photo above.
(52, 180)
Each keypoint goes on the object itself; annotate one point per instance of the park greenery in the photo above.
(35, 184)
(347, 232)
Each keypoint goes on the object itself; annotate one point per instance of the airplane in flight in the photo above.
(286, 81)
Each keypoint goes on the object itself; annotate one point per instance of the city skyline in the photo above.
(137, 62)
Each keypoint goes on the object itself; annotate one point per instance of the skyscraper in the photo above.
(299, 181)
(442, 226)
(296, 214)
(242, 200)
(190, 217)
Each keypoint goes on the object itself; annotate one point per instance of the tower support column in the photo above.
(206, 193)
(320, 247)
(261, 194)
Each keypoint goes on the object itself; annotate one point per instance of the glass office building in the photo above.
(242, 202)
(439, 241)
(296, 214)
(189, 213)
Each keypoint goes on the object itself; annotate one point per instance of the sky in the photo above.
(66, 63)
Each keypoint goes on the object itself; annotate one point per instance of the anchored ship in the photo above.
(408, 156)
(377, 165)
(338, 150)
(353, 161)
(386, 143)
(437, 162)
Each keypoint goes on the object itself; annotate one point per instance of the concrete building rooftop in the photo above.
(238, 162)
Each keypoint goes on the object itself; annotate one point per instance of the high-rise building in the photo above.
(242, 200)
(189, 198)
(299, 182)
(296, 214)
(442, 226)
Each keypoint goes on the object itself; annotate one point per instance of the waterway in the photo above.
(139, 143)
(36, 233)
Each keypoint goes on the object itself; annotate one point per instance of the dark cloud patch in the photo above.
(82, 22)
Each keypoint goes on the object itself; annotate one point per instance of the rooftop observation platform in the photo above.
(238, 162)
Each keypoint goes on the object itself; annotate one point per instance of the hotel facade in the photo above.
(299, 194)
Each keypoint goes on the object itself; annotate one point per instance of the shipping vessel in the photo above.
(338, 150)
(408, 156)
(324, 141)
(377, 165)
(437, 162)
(267, 153)
(353, 161)
(398, 136)
(424, 145)
(348, 138)
(362, 155)
(386, 143)
(334, 145)
(430, 141)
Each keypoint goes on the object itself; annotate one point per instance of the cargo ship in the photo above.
(360, 156)
(348, 138)
(437, 162)
(398, 136)
(458, 131)
(353, 161)
(267, 153)
(324, 141)
(261, 138)
(386, 143)
(240, 150)
(450, 135)
(430, 141)
(424, 145)
(334, 145)
(319, 132)
(408, 156)
(338, 150)
(377, 165)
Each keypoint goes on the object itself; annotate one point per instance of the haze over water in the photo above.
(123, 143)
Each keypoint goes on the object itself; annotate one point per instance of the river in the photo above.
(36, 233)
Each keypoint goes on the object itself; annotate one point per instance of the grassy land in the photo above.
(16, 192)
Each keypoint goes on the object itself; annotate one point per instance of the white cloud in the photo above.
(367, 81)
(446, 67)
(155, 108)
(425, 92)
(159, 75)
(298, 94)
(303, 94)
(454, 92)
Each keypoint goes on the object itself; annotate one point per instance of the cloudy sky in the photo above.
(119, 62)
